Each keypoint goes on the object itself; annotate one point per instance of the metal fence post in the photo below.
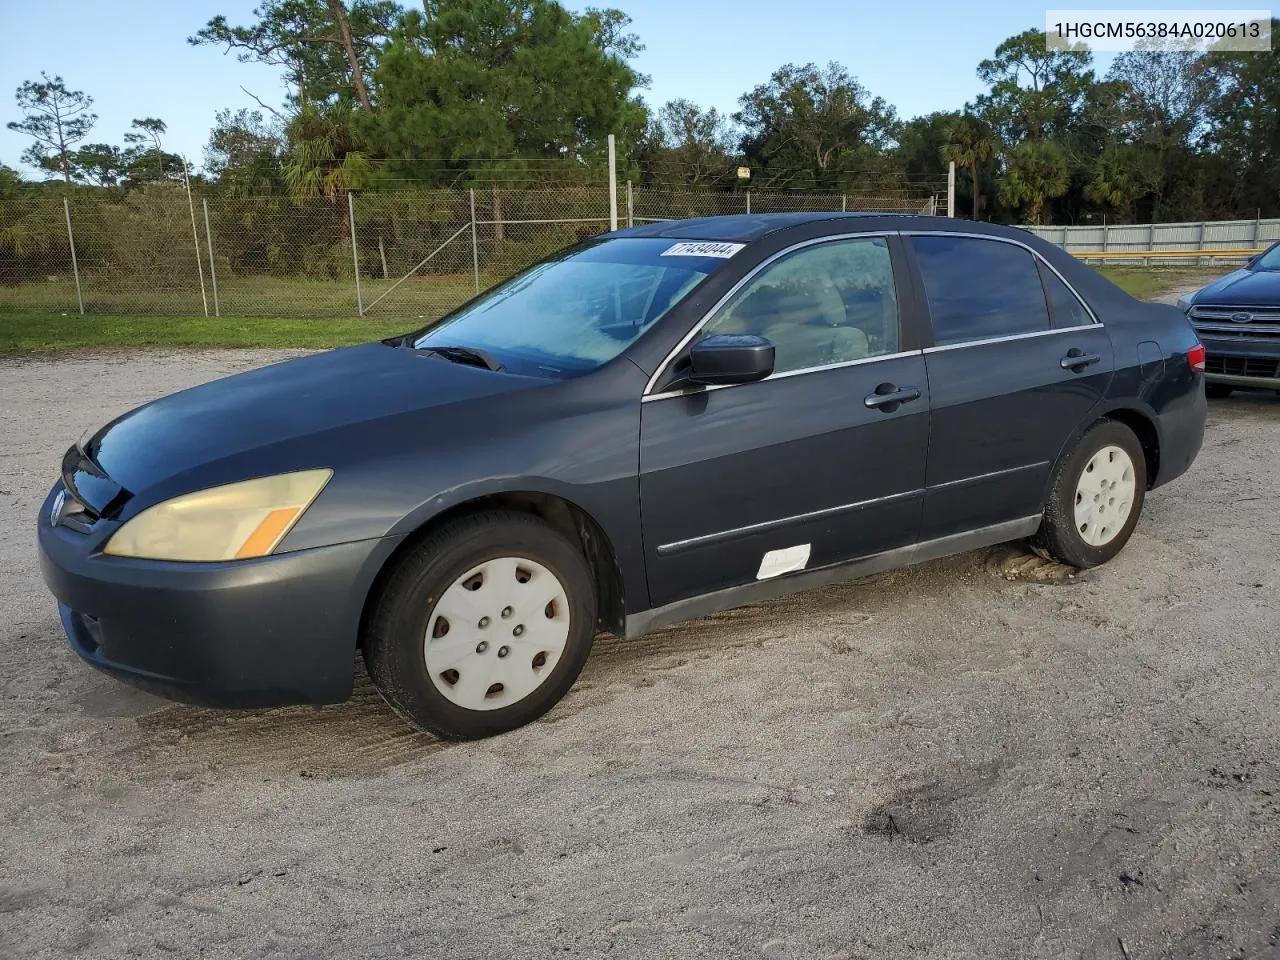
(382, 255)
(951, 189)
(1257, 225)
(71, 241)
(630, 207)
(355, 250)
(475, 242)
(748, 200)
(1106, 233)
(844, 203)
(213, 271)
(613, 184)
(195, 236)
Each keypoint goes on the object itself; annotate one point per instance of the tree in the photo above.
(918, 156)
(325, 47)
(1035, 171)
(55, 118)
(148, 131)
(971, 143)
(99, 164)
(1162, 112)
(816, 124)
(1244, 123)
(492, 78)
(243, 152)
(1113, 184)
(1035, 92)
(686, 144)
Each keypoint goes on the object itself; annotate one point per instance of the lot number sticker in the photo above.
(688, 248)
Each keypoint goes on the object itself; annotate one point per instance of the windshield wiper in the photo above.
(466, 355)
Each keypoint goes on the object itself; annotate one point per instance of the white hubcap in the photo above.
(1104, 495)
(497, 633)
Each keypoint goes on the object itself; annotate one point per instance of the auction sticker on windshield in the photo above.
(688, 248)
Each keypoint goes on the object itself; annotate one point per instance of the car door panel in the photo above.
(1001, 412)
(730, 475)
(1018, 364)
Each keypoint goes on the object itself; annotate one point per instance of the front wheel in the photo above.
(1097, 497)
(483, 627)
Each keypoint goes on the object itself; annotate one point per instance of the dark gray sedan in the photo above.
(650, 426)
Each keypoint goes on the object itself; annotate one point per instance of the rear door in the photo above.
(1018, 362)
(822, 462)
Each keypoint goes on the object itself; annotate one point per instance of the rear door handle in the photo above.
(1076, 361)
(887, 397)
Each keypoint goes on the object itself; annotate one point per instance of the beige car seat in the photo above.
(806, 325)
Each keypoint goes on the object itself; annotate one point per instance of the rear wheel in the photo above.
(483, 627)
(1217, 391)
(1097, 497)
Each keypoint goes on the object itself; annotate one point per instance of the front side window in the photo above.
(571, 314)
(827, 303)
(979, 289)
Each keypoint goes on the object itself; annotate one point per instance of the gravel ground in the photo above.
(978, 757)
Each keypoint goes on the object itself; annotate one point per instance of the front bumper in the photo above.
(1241, 361)
(252, 633)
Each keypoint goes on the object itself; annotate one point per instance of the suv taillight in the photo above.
(1195, 357)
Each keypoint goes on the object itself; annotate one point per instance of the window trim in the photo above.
(746, 278)
(1038, 259)
(1009, 337)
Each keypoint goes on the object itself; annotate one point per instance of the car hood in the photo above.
(280, 405)
(1244, 288)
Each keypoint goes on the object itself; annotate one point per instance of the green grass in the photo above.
(1148, 282)
(41, 317)
(34, 332)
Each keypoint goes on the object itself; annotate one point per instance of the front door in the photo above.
(822, 462)
(1018, 364)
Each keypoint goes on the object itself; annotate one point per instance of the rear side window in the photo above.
(1065, 308)
(978, 289)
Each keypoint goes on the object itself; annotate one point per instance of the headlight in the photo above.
(232, 522)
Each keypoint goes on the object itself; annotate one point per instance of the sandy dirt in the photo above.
(978, 757)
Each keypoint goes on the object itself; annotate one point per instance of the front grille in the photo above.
(1262, 322)
(1242, 366)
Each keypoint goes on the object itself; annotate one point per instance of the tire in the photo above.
(464, 583)
(1217, 391)
(1085, 539)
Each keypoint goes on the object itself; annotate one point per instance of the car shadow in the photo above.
(363, 736)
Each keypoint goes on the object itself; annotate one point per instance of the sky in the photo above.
(133, 58)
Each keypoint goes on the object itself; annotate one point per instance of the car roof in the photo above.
(747, 228)
(739, 228)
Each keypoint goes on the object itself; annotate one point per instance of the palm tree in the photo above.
(971, 142)
(1035, 171)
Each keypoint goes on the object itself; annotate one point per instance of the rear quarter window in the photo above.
(979, 289)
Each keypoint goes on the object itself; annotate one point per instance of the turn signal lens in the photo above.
(237, 521)
(1195, 357)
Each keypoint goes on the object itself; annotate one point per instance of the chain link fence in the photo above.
(162, 251)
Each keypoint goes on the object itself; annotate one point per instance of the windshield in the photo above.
(1269, 260)
(572, 313)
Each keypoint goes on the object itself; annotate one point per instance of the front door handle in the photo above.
(887, 397)
(1076, 360)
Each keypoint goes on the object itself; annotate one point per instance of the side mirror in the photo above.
(730, 358)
